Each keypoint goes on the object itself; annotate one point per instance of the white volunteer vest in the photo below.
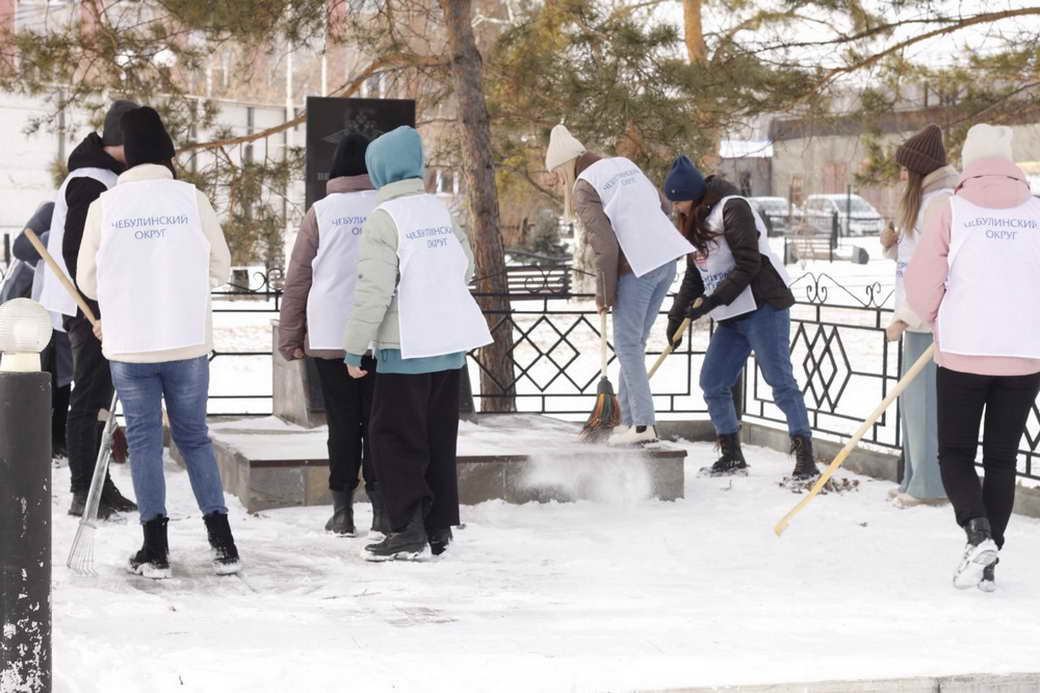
(908, 244)
(633, 205)
(437, 313)
(720, 263)
(331, 299)
(53, 295)
(993, 287)
(152, 268)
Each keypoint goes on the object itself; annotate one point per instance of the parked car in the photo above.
(863, 218)
(778, 213)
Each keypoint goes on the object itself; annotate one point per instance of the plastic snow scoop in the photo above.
(903, 383)
(81, 556)
(683, 326)
(607, 412)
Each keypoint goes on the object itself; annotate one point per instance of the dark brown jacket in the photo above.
(292, 328)
(610, 260)
(753, 268)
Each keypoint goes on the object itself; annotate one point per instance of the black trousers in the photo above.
(414, 429)
(348, 403)
(1006, 400)
(49, 359)
(91, 391)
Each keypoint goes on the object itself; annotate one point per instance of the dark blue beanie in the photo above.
(684, 182)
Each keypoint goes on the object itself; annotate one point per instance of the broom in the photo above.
(903, 383)
(607, 412)
(81, 555)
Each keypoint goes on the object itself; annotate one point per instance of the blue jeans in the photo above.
(638, 300)
(767, 331)
(185, 386)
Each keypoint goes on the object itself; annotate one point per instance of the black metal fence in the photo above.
(838, 346)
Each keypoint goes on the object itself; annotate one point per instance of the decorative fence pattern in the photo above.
(838, 346)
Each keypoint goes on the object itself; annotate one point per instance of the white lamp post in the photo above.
(25, 331)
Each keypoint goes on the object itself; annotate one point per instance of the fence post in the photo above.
(738, 392)
(835, 224)
(25, 531)
(467, 411)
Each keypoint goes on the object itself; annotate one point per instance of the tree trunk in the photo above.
(498, 392)
(697, 53)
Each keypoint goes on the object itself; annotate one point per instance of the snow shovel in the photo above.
(903, 383)
(81, 556)
(607, 412)
(671, 345)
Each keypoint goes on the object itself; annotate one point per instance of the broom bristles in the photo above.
(605, 415)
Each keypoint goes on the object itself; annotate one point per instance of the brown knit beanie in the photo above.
(924, 152)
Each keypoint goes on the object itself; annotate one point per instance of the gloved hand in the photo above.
(673, 334)
(696, 311)
(120, 446)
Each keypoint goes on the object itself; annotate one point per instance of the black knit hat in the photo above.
(350, 157)
(112, 135)
(924, 152)
(145, 140)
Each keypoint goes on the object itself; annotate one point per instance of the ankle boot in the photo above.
(409, 543)
(153, 560)
(804, 460)
(380, 523)
(731, 463)
(225, 553)
(342, 521)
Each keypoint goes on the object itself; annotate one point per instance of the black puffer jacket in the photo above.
(753, 268)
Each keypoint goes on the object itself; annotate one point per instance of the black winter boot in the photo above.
(979, 554)
(408, 544)
(342, 521)
(225, 553)
(153, 560)
(380, 522)
(111, 496)
(804, 460)
(439, 540)
(732, 461)
(105, 511)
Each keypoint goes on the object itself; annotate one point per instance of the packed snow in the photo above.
(623, 593)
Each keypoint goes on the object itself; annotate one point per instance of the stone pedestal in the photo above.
(296, 392)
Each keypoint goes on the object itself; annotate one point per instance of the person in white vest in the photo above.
(976, 275)
(152, 250)
(626, 222)
(929, 184)
(412, 302)
(316, 305)
(743, 287)
(94, 166)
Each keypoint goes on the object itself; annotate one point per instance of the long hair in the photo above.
(910, 206)
(694, 227)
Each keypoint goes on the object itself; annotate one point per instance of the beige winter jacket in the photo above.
(945, 177)
(375, 318)
(610, 260)
(219, 265)
(292, 327)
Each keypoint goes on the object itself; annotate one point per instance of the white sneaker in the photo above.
(634, 437)
(973, 565)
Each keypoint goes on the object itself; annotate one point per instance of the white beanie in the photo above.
(986, 142)
(563, 147)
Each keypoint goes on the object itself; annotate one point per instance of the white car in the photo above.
(861, 220)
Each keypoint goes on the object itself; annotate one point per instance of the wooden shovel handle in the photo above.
(671, 345)
(62, 277)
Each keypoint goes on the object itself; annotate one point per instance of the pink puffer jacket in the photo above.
(993, 183)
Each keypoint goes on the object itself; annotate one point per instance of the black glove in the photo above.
(674, 335)
(697, 311)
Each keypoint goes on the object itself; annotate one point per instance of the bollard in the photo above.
(25, 532)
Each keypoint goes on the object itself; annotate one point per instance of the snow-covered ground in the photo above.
(623, 594)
